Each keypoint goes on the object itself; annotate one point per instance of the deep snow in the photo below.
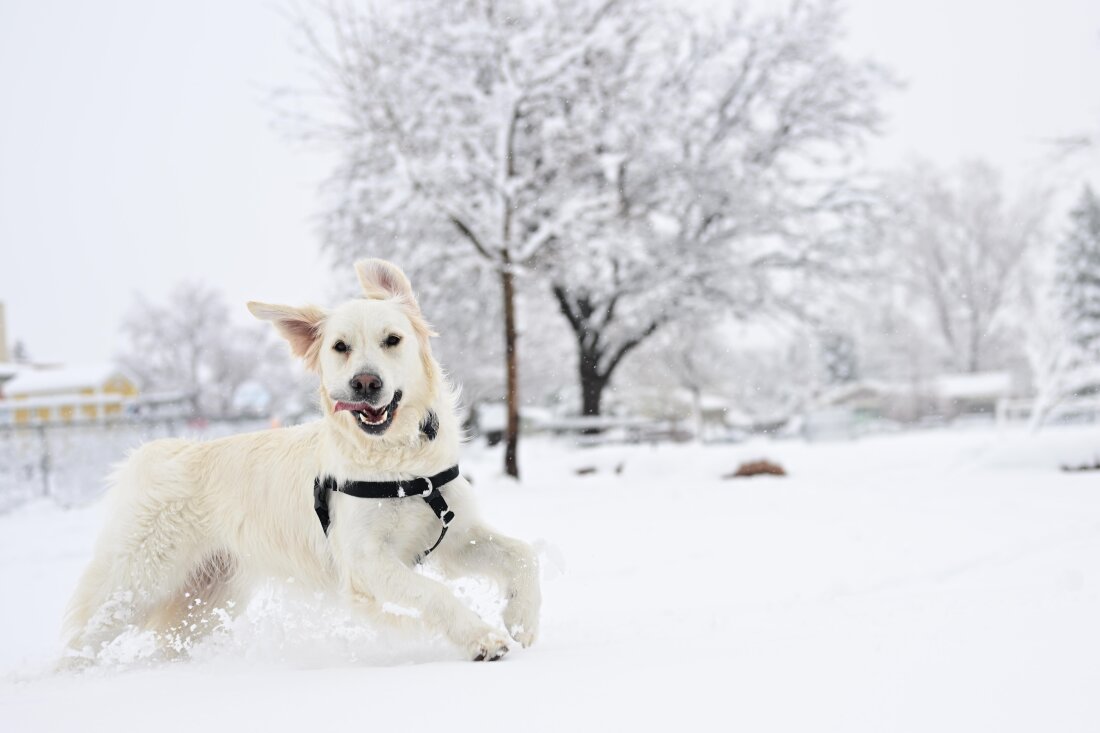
(924, 581)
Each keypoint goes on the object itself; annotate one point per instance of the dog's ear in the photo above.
(382, 280)
(301, 327)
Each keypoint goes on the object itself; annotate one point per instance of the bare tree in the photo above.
(699, 361)
(958, 244)
(761, 382)
(189, 344)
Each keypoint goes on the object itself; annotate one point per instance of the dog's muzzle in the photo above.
(370, 419)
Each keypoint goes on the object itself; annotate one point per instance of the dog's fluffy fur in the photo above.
(195, 525)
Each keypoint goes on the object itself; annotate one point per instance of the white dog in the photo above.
(194, 525)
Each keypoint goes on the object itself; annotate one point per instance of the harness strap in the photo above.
(426, 487)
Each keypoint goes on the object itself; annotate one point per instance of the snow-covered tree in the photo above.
(693, 364)
(723, 148)
(644, 165)
(957, 245)
(450, 118)
(1064, 324)
(1045, 345)
(190, 344)
(1077, 279)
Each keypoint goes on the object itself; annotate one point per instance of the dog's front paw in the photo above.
(489, 648)
(525, 637)
(522, 623)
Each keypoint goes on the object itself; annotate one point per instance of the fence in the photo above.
(1066, 412)
(69, 463)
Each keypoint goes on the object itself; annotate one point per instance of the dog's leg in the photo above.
(141, 565)
(511, 563)
(380, 579)
(210, 597)
(97, 611)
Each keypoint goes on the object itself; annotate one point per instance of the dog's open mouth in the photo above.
(371, 419)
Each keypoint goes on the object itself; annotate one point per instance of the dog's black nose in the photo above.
(366, 384)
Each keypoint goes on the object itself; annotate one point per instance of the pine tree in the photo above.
(1077, 282)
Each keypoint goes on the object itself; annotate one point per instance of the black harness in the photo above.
(426, 487)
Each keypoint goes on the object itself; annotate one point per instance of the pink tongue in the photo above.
(360, 406)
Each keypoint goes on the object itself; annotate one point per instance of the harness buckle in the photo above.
(430, 489)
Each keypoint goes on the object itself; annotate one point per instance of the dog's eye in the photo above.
(340, 347)
(393, 340)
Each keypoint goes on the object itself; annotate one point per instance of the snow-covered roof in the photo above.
(64, 400)
(980, 384)
(854, 390)
(707, 400)
(96, 400)
(61, 379)
(8, 370)
(988, 385)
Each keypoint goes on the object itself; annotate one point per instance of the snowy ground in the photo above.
(942, 581)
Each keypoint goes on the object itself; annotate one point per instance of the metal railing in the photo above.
(68, 463)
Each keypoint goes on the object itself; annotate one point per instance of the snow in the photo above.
(913, 582)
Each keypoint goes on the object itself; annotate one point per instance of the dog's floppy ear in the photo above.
(382, 280)
(301, 327)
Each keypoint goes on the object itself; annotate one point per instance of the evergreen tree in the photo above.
(1077, 283)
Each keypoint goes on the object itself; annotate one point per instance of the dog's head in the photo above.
(373, 354)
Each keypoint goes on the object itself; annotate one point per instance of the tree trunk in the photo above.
(974, 358)
(697, 413)
(592, 385)
(582, 315)
(511, 430)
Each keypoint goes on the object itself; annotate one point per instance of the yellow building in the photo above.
(40, 396)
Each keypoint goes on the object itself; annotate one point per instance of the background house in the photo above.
(876, 405)
(65, 394)
(979, 393)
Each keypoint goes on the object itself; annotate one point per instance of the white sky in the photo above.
(136, 151)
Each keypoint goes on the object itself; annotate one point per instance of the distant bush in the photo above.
(757, 468)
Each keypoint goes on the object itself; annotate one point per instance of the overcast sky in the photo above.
(136, 150)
